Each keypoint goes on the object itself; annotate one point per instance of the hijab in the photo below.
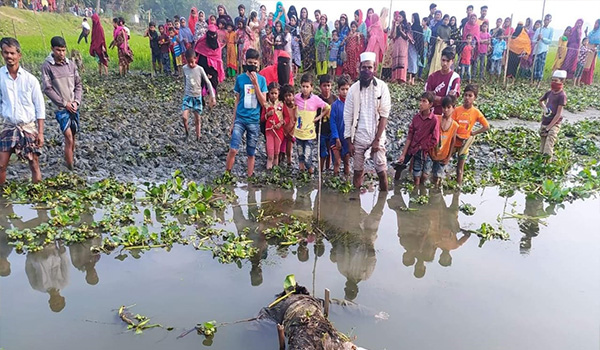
(213, 56)
(98, 41)
(376, 32)
(292, 12)
(575, 37)
(417, 33)
(520, 42)
(225, 16)
(368, 19)
(595, 34)
(360, 17)
(193, 19)
(201, 26)
(278, 13)
(472, 29)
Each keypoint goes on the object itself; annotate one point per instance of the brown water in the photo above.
(435, 286)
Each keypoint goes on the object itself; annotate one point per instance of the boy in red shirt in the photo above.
(466, 116)
(286, 95)
(465, 58)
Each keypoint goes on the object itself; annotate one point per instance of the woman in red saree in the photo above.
(355, 45)
(98, 45)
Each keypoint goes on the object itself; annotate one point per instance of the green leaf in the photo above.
(290, 283)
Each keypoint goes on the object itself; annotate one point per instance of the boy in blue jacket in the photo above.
(339, 146)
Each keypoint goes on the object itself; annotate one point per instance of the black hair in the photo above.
(190, 54)
(484, 7)
(317, 10)
(252, 54)
(228, 24)
(151, 24)
(470, 7)
(432, 6)
(176, 17)
(428, 95)
(10, 42)
(85, 19)
(473, 88)
(116, 20)
(121, 21)
(325, 78)
(449, 53)
(241, 6)
(160, 26)
(334, 32)
(448, 101)
(306, 78)
(273, 85)
(171, 29)
(344, 80)
(58, 41)
(285, 90)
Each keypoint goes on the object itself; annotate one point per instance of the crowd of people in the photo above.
(265, 52)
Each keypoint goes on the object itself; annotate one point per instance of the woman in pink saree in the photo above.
(376, 38)
(402, 35)
(121, 41)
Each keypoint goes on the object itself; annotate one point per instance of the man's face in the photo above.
(483, 12)
(547, 21)
(325, 89)
(343, 90)
(367, 66)
(241, 12)
(10, 55)
(424, 105)
(438, 16)
(432, 10)
(152, 28)
(317, 16)
(59, 53)
(446, 20)
(446, 64)
(306, 89)
(469, 12)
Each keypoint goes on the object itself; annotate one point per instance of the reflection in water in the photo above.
(5, 249)
(83, 259)
(426, 228)
(353, 251)
(48, 272)
(244, 223)
(530, 226)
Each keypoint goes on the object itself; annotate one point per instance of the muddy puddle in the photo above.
(416, 280)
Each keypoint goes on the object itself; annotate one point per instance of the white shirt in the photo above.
(21, 99)
(127, 31)
(85, 25)
(363, 109)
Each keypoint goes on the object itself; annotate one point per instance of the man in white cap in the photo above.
(366, 111)
(553, 102)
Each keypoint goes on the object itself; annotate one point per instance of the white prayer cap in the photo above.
(560, 74)
(367, 56)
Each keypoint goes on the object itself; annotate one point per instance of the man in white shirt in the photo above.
(21, 104)
(85, 31)
(366, 110)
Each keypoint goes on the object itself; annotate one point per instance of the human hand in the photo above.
(351, 149)
(338, 144)
(375, 146)
(40, 139)
(253, 77)
(212, 102)
(70, 108)
(401, 159)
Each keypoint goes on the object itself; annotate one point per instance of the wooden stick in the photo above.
(281, 336)
(320, 170)
(535, 56)
(508, 49)
(327, 301)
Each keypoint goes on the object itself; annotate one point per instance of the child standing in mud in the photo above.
(440, 155)
(338, 144)
(423, 135)
(274, 122)
(164, 42)
(325, 135)
(62, 84)
(305, 133)
(466, 116)
(553, 102)
(286, 94)
(192, 99)
(250, 94)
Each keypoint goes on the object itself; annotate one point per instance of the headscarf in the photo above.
(213, 56)
(192, 20)
(383, 17)
(472, 29)
(368, 19)
(322, 35)
(185, 36)
(376, 33)
(98, 41)
(595, 34)
(278, 13)
(519, 42)
(292, 12)
(201, 26)
(576, 32)
(360, 17)
(125, 44)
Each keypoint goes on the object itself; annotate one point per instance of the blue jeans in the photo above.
(496, 67)
(421, 164)
(540, 63)
(252, 131)
(166, 62)
(304, 149)
(465, 69)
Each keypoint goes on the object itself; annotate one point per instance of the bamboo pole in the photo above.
(507, 50)
(40, 27)
(151, 64)
(535, 56)
(327, 302)
(320, 170)
(281, 336)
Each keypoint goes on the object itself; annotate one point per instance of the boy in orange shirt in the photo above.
(441, 153)
(466, 116)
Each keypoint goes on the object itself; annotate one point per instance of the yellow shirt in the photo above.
(466, 119)
(442, 149)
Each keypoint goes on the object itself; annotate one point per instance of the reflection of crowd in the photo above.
(48, 270)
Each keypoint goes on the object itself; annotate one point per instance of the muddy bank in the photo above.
(131, 129)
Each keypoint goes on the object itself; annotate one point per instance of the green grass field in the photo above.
(34, 31)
